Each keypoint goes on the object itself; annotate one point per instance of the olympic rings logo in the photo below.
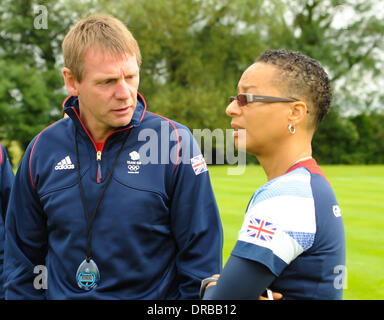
(133, 167)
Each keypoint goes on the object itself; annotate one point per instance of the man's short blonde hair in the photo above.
(100, 31)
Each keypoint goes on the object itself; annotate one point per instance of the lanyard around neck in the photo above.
(91, 219)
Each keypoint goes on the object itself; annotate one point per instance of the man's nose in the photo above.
(124, 90)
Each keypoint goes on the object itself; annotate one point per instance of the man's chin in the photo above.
(119, 122)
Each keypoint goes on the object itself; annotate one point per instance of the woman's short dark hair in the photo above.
(304, 77)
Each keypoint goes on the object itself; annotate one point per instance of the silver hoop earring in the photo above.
(291, 129)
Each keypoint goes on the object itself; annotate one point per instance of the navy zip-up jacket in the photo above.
(6, 181)
(157, 231)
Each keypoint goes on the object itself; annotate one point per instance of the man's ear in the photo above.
(297, 112)
(70, 81)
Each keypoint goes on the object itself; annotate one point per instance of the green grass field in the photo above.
(360, 193)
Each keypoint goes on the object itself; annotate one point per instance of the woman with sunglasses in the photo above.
(292, 237)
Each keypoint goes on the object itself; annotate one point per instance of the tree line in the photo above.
(194, 53)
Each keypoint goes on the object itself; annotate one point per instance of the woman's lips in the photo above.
(236, 128)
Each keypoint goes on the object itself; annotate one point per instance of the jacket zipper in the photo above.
(98, 152)
(98, 161)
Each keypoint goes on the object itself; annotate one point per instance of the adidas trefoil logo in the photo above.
(65, 164)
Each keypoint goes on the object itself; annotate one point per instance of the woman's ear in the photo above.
(298, 111)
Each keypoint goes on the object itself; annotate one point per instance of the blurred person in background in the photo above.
(6, 181)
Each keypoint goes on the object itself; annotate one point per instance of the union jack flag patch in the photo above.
(261, 229)
(198, 164)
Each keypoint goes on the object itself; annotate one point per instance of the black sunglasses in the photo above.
(245, 98)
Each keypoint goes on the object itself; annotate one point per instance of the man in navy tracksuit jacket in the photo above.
(6, 181)
(156, 231)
